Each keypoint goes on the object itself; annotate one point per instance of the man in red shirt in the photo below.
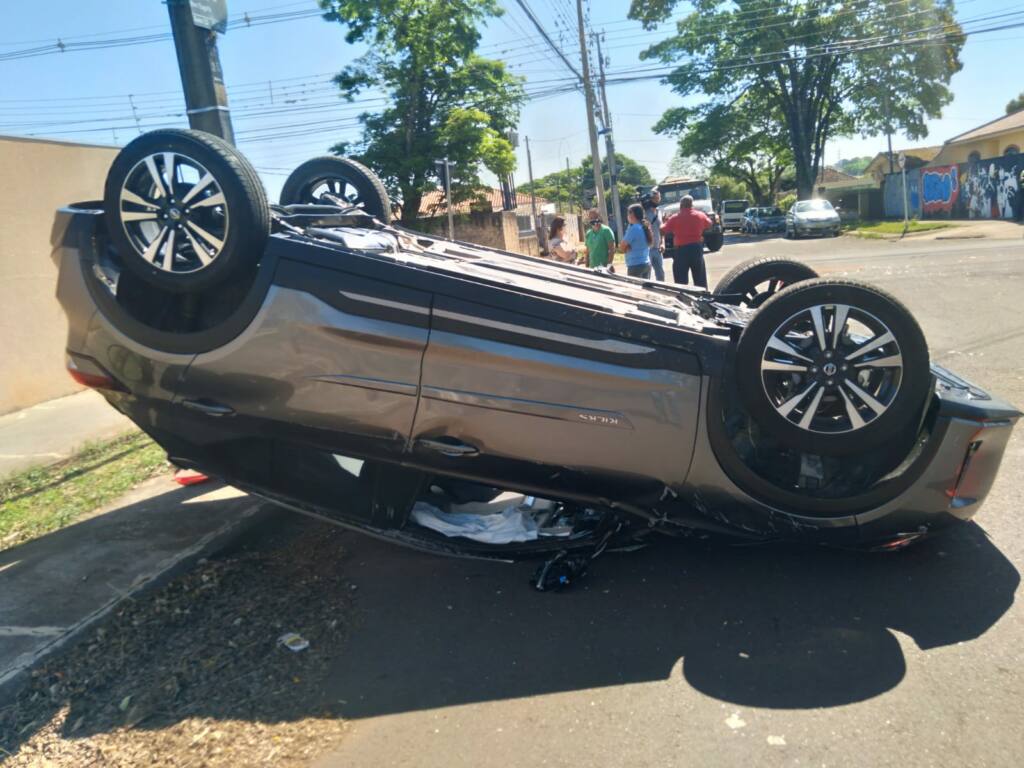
(687, 229)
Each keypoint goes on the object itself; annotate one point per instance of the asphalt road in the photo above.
(686, 655)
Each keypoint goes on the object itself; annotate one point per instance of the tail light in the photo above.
(89, 373)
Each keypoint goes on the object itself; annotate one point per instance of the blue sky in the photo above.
(285, 111)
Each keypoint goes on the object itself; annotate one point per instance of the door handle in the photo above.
(449, 447)
(208, 408)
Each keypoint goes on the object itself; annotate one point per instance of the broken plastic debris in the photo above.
(293, 641)
(190, 477)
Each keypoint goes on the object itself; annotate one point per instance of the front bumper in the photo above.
(817, 228)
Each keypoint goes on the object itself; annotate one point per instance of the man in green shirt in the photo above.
(600, 241)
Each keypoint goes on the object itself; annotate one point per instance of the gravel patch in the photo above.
(193, 674)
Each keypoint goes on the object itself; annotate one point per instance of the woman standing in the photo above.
(636, 243)
(557, 246)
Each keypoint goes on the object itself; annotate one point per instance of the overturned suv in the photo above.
(314, 354)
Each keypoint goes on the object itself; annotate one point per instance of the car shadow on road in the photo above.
(768, 627)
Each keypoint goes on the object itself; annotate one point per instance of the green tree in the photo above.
(443, 99)
(1015, 105)
(569, 185)
(855, 166)
(826, 68)
(741, 140)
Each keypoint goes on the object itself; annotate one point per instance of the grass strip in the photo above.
(41, 500)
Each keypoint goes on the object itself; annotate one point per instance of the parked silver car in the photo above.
(812, 217)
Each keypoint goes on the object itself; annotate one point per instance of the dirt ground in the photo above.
(193, 674)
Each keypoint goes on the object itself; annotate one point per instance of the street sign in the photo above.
(902, 160)
(210, 14)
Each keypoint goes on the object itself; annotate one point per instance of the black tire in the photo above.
(233, 232)
(713, 242)
(810, 402)
(340, 177)
(760, 279)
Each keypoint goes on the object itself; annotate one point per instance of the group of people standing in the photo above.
(642, 242)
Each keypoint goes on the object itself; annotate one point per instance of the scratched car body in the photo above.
(360, 368)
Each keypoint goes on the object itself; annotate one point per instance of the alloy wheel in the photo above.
(174, 213)
(831, 368)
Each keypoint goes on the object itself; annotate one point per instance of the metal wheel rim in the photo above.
(831, 369)
(333, 190)
(758, 294)
(174, 213)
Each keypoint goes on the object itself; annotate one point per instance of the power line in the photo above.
(543, 32)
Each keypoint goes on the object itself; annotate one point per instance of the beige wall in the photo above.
(987, 148)
(494, 230)
(37, 177)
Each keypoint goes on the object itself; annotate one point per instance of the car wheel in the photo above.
(761, 278)
(714, 241)
(185, 210)
(833, 367)
(789, 233)
(329, 179)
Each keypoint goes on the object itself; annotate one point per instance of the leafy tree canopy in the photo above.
(443, 99)
(569, 185)
(855, 166)
(743, 140)
(1015, 105)
(823, 67)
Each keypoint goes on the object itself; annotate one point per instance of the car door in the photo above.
(522, 401)
(331, 360)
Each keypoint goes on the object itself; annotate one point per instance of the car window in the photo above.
(813, 205)
(733, 206)
(699, 191)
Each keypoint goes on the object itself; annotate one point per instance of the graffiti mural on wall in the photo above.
(986, 189)
(940, 189)
(992, 189)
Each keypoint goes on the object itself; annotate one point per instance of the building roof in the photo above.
(830, 175)
(432, 203)
(879, 165)
(1011, 122)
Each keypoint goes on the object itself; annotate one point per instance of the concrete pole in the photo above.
(206, 99)
(448, 197)
(613, 163)
(538, 224)
(906, 212)
(588, 94)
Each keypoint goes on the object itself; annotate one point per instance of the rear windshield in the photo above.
(734, 206)
(699, 191)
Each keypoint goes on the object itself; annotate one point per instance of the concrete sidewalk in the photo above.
(55, 587)
(55, 430)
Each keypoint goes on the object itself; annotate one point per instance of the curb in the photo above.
(12, 679)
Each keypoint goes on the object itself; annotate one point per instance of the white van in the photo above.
(732, 213)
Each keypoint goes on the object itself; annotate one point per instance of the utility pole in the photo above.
(582, 201)
(888, 127)
(538, 226)
(444, 169)
(206, 99)
(613, 162)
(588, 94)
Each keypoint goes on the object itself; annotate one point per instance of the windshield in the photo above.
(813, 205)
(734, 206)
(698, 191)
(771, 212)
